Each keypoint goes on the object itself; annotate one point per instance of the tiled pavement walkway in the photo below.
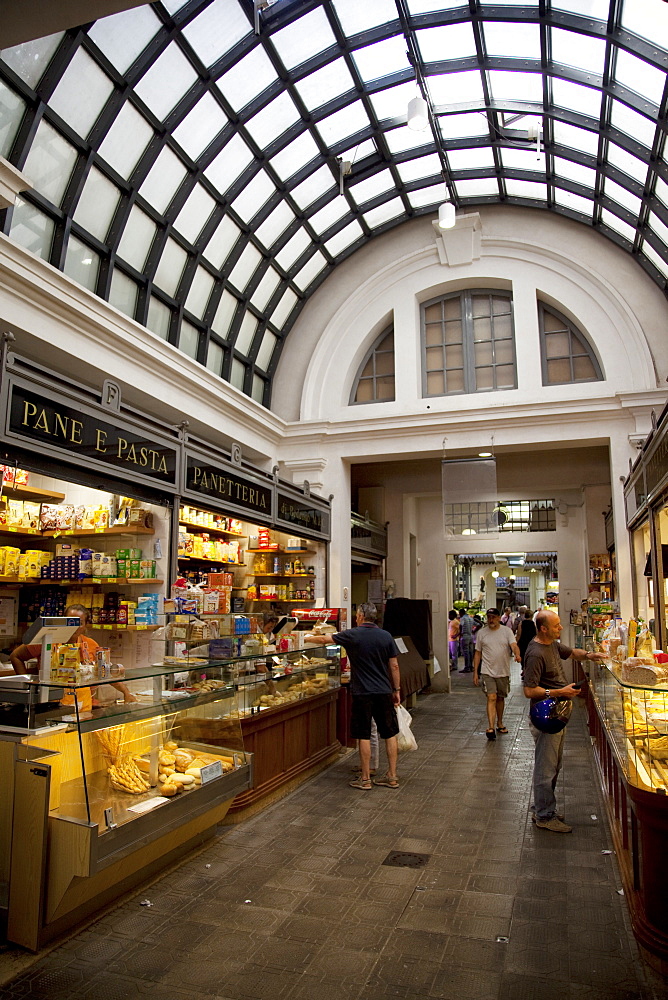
(296, 904)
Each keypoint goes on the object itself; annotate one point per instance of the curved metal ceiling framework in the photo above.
(205, 178)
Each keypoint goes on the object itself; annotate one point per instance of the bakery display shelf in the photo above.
(218, 562)
(212, 528)
(32, 493)
(136, 711)
(115, 529)
(283, 552)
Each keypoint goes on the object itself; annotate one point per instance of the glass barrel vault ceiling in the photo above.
(187, 169)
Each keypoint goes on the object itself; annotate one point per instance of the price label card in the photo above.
(100, 531)
(211, 771)
(108, 626)
(111, 579)
(141, 627)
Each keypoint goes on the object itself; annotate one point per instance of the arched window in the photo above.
(566, 354)
(375, 380)
(468, 343)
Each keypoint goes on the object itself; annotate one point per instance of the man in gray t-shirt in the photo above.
(493, 645)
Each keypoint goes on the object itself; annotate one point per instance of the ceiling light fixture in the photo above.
(446, 215)
(495, 574)
(484, 454)
(418, 114)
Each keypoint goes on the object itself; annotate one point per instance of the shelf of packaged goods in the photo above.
(115, 627)
(283, 552)
(115, 529)
(10, 529)
(218, 562)
(20, 579)
(282, 600)
(95, 581)
(32, 493)
(213, 528)
(309, 576)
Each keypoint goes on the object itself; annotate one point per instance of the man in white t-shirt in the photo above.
(493, 646)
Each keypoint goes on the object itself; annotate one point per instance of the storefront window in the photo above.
(661, 529)
(644, 588)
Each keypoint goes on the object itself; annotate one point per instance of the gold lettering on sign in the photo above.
(100, 440)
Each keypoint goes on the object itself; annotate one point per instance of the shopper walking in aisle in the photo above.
(526, 630)
(543, 677)
(493, 645)
(375, 688)
(466, 640)
(453, 638)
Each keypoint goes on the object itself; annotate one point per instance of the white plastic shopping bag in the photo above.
(405, 738)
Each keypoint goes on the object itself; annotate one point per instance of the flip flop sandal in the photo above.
(387, 781)
(490, 734)
(501, 729)
(362, 783)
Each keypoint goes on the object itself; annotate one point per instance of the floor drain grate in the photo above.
(406, 859)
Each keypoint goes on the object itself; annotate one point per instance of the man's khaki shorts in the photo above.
(500, 686)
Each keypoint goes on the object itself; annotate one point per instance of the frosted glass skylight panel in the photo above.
(432, 195)
(639, 76)
(222, 242)
(381, 58)
(450, 41)
(293, 249)
(137, 238)
(303, 39)
(172, 6)
(518, 39)
(170, 268)
(126, 140)
(477, 187)
(247, 78)
(655, 258)
(574, 202)
(232, 160)
(50, 163)
(648, 19)
(30, 59)
(346, 122)
(661, 190)
(247, 330)
(269, 342)
(427, 6)
(200, 126)
(163, 179)
(123, 293)
(268, 284)
(356, 17)
(393, 102)
(314, 187)
(575, 172)
(81, 93)
(189, 340)
(403, 138)
(214, 357)
(199, 292)
(464, 87)
(464, 126)
(81, 264)
(257, 389)
(237, 374)
(423, 166)
(295, 155)
(287, 302)
(344, 238)
(273, 120)
(658, 227)
(356, 153)
(526, 189)
(124, 36)
(623, 228)
(217, 29)
(253, 196)
(159, 318)
(622, 196)
(384, 213)
(598, 9)
(245, 267)
(325, 84)
(523, 159)
(506, 85)
(372, 187)
(630, 164)
(329, 214)
(281, 217)
(572, 48)
(195, 213)
(584, 100)
(225, 314)
(97, 204)
(166, 81)
(310, 271)
(476, 158)
(32, 229)
(631, 123)
(11, 113)
(575, 138)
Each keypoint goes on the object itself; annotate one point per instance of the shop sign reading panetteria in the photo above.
(86, 437)
(227, 486)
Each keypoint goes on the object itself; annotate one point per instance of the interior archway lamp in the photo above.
(418, 114)
(446, 215)
(495, 574)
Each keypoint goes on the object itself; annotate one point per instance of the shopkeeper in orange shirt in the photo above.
(23, 653)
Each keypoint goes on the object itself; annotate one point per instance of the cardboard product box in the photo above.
(134, 569)
(147, 569)
(122, 567)
(66, 549)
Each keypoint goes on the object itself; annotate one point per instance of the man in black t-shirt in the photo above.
(375, 688)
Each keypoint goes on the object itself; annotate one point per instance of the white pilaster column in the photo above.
(620, 452)
(337, 482)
